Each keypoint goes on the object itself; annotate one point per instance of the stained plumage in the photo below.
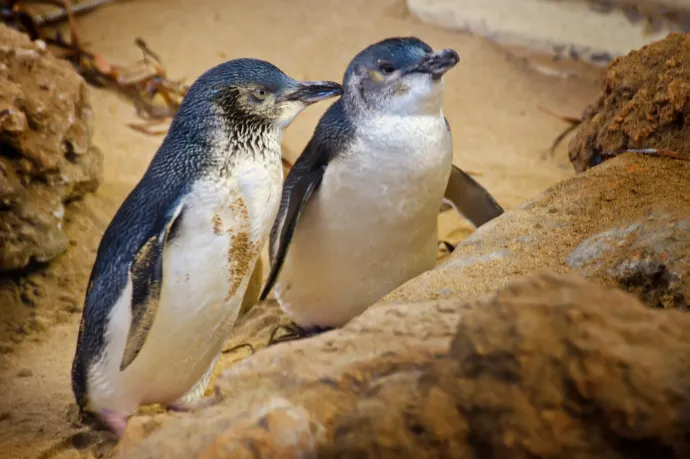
(358, 213)
(173, 265)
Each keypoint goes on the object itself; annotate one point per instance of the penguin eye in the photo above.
(386, 67)
(260, 94)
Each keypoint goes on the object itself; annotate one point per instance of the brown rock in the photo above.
(624, 223)
(46, 157)
(645, 103)
(550, 366)
(274, 429)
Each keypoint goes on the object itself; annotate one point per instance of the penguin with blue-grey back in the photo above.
(173, 266)
(358, 213)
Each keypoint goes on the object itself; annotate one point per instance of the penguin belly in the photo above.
(206, 269)
(371, 226)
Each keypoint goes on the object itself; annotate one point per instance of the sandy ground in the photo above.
(491, 104)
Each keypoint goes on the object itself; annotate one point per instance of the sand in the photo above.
(491, 104)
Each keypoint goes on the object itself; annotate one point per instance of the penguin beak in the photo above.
(435, 64)
(312, 91)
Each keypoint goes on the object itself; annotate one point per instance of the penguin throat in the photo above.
(256, 141)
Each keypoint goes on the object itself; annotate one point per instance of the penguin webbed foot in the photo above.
(114, 422)
(202, 403)
(294, 332)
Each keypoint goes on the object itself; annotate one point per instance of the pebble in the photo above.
(24, 373)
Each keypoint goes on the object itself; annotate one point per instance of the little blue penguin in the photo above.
(174, 263)
(358, 213)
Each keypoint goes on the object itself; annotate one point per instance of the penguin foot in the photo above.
(294, 332)
(113, 421)
(204, 402)
(447, 245)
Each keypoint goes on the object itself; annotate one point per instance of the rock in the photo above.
(274, 429)
(46, 156)
(650, 258)
(644, 104)
(624, 223)
(550, 366)
(24, 373)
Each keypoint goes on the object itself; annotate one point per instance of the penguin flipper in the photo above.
(470, 199)
(147, 274)
(297, 194)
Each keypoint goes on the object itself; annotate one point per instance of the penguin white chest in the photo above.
(206, 267)
(372, 224)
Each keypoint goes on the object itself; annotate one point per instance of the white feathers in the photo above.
(206, 268)
(418, 94)
(289, 110)
(372, 224)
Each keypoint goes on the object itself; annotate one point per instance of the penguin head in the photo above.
(252, 92)
(401, 76)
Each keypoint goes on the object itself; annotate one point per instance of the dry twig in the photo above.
(574, 123)
(155, 97)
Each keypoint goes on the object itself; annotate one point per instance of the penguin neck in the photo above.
(256, 141)
(422, 98)
(368, 122)
(359, 114)
(413, 141)
(221, 144)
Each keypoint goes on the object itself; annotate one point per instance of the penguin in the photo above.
(172, 268)
(358, 212)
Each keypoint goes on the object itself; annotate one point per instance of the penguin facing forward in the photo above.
(173, 265)
(358, 213)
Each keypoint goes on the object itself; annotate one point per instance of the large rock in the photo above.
(624, 223)
(550, 366)
(644, 103)
(46, 156)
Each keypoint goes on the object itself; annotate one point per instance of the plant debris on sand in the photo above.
(155, 97)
